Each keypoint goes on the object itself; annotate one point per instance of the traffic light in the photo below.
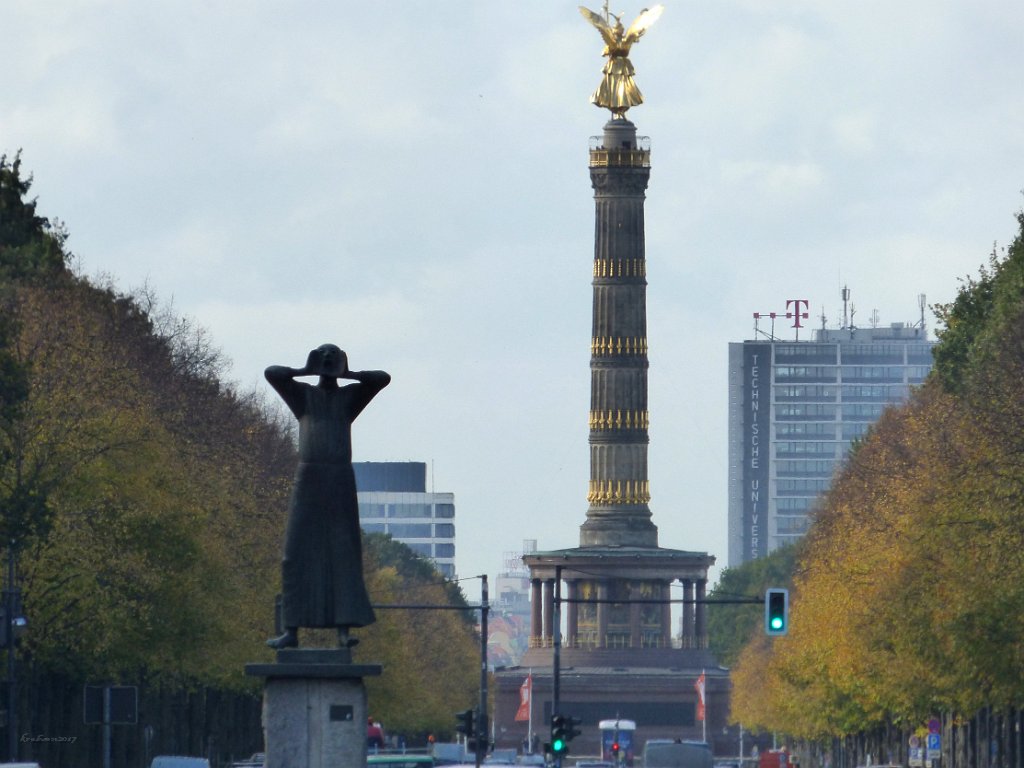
(571, 730)
(776, 611)
(465, 726)
(559, 744)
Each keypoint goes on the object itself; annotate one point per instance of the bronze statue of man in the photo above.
(322, 569)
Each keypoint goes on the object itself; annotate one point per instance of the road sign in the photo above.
(934, 726)
(934, 746)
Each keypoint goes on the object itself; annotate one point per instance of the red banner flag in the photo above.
(699, 687)
(525, 694)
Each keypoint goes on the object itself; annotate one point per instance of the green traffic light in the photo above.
(557, 745)
(776, 608)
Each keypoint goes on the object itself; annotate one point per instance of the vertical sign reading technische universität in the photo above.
(757, 359)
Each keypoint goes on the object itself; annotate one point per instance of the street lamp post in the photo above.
(10, 608)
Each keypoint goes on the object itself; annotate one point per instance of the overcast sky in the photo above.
(409, 180)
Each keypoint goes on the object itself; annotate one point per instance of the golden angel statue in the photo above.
(617, 91)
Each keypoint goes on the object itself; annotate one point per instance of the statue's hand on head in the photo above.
(327, 360)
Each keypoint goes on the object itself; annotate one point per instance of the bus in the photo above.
(617, 741)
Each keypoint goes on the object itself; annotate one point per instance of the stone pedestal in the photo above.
(314, 708)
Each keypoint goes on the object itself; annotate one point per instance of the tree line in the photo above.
(907, 594)
(144, 501)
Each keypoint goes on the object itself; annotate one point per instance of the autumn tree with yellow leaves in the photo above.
(908, 599)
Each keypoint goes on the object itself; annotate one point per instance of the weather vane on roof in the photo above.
(617, 91)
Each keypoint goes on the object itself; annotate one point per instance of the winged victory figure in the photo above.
(617, 91)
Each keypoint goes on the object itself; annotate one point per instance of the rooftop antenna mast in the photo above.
(922, 302)
(757, 319)
(846, 298)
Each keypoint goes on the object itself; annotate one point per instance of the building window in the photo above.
(805, 393)
(854, 431)
(409, 510)
(805, 431)
(805, 412)
(920, 354)
(791, 525)
(791, 450)
(368, 509)
(862, 412)
(801, 487)
(812, 373)
(805, 353)
(804, 469)
(874, 393)
(420, 549)
(373, 527)
(872, 373)
(444, 550)
(409, 530)
(793, 504)
(444, 510)
(444, 530)
(878, 354)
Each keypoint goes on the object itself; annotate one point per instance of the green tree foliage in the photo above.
(147, 501)
(909, 593)
(731, 626)
(29, 246)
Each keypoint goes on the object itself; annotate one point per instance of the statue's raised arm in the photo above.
(617, 91)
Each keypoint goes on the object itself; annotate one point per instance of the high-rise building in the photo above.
(393, 499)
(795, 408)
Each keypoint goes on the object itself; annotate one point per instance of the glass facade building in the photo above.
(393, 499)
(795, 407)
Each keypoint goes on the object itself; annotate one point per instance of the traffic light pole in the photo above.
(556, 638)
(482, 727)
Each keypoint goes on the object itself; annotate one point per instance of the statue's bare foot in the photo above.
(290, 639)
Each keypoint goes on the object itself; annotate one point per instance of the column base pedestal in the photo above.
(314, 708)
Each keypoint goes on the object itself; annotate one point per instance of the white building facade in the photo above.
(393, 499)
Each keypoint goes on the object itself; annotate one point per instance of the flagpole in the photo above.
(704, 696)
(529, 722)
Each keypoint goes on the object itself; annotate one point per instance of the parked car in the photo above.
(501, 757)
(659, 753)
(530, 760)
(256, 761)
(179, 761)
(399, 760)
